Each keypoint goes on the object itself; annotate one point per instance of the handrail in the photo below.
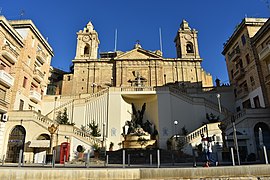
(86, 135)
(48, 122)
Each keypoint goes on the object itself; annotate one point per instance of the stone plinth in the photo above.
(133, 141)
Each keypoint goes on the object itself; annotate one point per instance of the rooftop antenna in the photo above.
(115, 40)
(21, 14)
(160, 40)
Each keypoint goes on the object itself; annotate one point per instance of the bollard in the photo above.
(23, 160)
(107, 159)
(44, 160)
(128, 159)
(172, 156)
(151, 160)
(20, 159)
(158, 158)
(265, 155)
(88, 159)
(233, 162)
(3, 160)
(124, 158)
(194, 158)
(64, 160)
(53, 159)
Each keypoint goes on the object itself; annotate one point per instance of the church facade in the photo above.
(124, 69)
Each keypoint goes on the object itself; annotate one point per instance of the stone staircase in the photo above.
(69, 104)
(194, 138)
(44, 122)
(198, 100)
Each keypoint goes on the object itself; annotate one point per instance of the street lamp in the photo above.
(165, 78)
(103, 135)
(175, 124)
(219, 106)
(93, 86)
(235, 139)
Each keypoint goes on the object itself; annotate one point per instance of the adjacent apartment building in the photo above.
(247, 60)
(25, 59)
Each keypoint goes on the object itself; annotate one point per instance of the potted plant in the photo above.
(80, 150)
(111, 146)
(96, 149)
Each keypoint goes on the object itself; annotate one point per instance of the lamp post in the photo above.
(219, 106)
(175, 124)
(235, 140)
(93, 87)
(103, 135)
(165, 78)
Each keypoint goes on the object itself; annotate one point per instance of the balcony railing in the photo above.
(10, 53)
(38, 75)
(6, 79)
(41, 56)
(242, 92)
(35, 96)
(239, 73)
(234, 54)
(265, 52)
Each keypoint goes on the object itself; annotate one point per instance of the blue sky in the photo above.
(137, 20)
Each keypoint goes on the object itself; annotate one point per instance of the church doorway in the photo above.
(15, 144)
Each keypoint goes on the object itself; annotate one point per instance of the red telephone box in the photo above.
(64, 152)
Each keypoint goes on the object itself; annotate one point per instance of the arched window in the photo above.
(43, 137)
(86, 50)
(189, 47)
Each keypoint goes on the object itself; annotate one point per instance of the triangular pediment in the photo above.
(139, 53)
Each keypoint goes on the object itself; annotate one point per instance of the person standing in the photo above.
(204, 142)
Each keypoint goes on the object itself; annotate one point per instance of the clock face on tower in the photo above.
(86, 38)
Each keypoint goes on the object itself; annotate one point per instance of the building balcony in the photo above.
(265, 52)
(38, 75)
(267, 79)
(35, 96)
(6, 79)
(239, 73)
(41, 56)
(234, 54)
(10, 54)
(242, 92)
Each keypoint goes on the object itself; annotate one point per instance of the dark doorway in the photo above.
(15, 144)
(265, 137)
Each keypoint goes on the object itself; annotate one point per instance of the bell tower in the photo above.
(87, 43)
(186, 42)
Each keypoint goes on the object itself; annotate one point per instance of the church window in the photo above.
(247, 59)
(243, 39)
(189, 47)
(86, 50)
(24, 82)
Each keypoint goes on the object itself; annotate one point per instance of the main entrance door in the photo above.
(15, 143)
